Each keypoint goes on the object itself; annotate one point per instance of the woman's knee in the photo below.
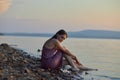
(67, 56)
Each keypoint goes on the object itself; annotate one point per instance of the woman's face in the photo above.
(61, 37)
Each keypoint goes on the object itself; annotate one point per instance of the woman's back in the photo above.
(51, 57)
(50, 44)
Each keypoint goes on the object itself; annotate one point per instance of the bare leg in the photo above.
(78, 62)
(65, 62)
(70, 61)
(84, 68)
(76, 65)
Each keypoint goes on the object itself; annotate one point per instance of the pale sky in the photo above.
(39, 16)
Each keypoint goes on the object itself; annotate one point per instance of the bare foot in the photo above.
(75, 69)
(86, 68)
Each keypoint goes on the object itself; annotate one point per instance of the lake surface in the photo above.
(103, 54)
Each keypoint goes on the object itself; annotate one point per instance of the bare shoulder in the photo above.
(50, 43)
(54, 40)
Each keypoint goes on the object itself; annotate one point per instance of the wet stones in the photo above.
(19, 65)
(1, 73)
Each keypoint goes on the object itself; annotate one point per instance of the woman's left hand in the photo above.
(75, 58)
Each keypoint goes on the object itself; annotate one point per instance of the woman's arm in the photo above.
(58, 44)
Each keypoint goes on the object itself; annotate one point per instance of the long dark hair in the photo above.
(60, 32)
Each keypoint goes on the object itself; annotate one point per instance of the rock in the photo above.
(58, 78)
(1, 73)
(86, 73)
(5, 79)
(42, 79)
(12, 78)
(16, 64)
(46, 74)
(38, 50)
(42, 70)
(5, 59)
(68, 67)
(5, 45)
(25, 61)
(27, 71)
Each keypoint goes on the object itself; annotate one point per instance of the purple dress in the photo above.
(51, 58)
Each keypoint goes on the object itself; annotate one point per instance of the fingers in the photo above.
(74, 57)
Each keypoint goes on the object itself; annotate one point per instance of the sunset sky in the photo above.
(41, 16)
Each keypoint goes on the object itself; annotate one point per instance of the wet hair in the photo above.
(60, 32)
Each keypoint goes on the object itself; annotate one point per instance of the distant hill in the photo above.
(103, 34)
(1, 34)
(27, 34)
(96, 34)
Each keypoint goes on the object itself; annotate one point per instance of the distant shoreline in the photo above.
(69, 37)
(96, 34)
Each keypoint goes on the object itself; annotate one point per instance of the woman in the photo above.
(53, 53)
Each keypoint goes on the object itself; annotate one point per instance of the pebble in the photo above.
(16, 64)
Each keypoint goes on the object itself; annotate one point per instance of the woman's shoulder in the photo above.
(51, 41)
(54, 40)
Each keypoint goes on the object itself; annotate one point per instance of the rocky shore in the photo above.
(19, 65)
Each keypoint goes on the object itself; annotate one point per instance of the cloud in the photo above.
(4, 5)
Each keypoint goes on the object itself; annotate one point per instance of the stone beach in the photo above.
(17, 64)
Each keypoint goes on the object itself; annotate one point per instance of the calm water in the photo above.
(103, 54)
